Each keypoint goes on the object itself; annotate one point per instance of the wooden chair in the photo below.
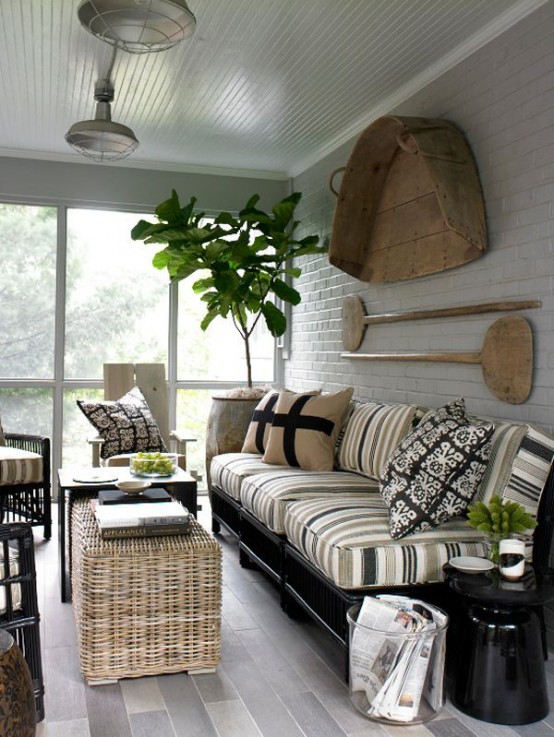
(119, 378)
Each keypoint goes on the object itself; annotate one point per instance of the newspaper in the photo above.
(394, 671)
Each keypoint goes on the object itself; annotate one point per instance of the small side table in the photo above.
(499, 647)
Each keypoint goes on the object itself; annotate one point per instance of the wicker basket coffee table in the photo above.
(144, 606)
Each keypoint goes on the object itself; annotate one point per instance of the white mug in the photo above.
(511, 559)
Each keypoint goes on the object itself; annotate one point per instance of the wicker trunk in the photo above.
(144, 606)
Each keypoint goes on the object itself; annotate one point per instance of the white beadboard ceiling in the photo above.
(264, 86)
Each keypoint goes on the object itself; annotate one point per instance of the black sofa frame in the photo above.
(305, 589)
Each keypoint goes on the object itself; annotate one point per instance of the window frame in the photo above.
(59, 384)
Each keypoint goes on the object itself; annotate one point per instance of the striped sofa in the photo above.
(324, 536)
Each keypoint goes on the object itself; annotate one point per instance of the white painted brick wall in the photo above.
(502, 97)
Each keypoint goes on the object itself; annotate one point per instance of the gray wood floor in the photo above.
(277, 678)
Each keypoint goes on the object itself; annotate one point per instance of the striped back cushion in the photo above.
(530, 470)
(372, 433)
(505, 442)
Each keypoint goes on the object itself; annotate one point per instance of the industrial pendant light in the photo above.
(101, 139)
(138, 26)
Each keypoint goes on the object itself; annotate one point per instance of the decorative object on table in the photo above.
(410, 202)
(133, 487)
(511, 559)
(153, 465)
(499, 519)
(17, 698)
(141, 520)
(471, 564)
(354, 319)
(506, 358)
(243, 259)
(109, 496)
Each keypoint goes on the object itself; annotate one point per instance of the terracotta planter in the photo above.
(227, 425)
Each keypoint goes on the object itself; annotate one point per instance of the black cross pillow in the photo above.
(434, 473)
(305, 429)
(258, 429)
(126, 425)
(262, 418)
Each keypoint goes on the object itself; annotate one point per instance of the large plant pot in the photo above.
(17, 698)
(227, 425)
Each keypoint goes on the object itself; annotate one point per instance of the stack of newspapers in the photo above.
(397, 652)
(141, 520)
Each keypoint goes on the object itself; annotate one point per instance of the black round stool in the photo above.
(499, 653)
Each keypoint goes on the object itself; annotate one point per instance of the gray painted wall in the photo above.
(98, 185)
(502, 97)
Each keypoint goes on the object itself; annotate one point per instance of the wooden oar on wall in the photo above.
(506, 358)
(354, 319)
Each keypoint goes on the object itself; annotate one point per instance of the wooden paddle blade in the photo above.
(353, 327)
(507, 359)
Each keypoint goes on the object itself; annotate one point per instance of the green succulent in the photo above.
(499, 518)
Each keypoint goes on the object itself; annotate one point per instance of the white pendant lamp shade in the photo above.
(138, 26)
(101, 139)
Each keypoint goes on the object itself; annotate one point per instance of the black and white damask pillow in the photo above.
(126, 425)
(434, 473)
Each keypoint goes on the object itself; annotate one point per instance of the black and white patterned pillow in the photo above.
(434, 473)
(126, 425)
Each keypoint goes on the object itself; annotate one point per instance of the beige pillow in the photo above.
(305, 429)
(258, 430)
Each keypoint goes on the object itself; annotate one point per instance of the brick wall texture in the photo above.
(502, 98)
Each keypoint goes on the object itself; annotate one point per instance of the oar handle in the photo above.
(451, 311)
(436, 357)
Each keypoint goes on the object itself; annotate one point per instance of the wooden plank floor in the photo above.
(277, 678)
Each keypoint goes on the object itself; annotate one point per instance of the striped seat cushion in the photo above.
(349, 541)
(228, 470)
(19, 466)
(266, 495)
(371, 434)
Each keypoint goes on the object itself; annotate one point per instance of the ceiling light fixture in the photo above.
(101, 139)
(138, 26)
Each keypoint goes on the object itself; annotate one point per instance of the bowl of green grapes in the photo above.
(153, 465)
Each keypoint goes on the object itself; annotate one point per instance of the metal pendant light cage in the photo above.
(138, 26)
(101, 139)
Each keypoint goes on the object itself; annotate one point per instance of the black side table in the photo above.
(499, 645)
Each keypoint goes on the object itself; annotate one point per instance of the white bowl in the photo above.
(133, 486)
(471, 564)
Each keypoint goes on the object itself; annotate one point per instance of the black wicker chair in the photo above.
(29, 502)
(19, 613)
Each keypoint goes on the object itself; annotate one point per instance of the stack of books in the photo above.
(141, 520)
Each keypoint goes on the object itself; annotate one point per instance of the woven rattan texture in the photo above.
(144, 606)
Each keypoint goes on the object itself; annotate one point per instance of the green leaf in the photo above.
(275, 319)
(170, 210)
(285, 292)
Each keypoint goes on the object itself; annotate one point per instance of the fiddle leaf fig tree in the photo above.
(243, 260)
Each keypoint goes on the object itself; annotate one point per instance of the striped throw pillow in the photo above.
(371, 434)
